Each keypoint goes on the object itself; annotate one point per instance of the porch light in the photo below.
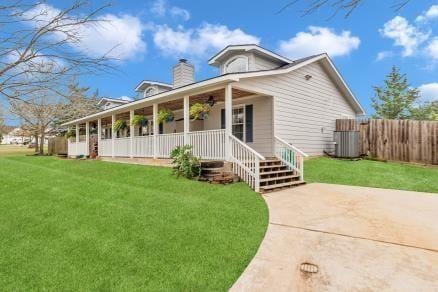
(210, 101)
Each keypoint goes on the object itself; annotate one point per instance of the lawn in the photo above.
(7, 150)
(390, 175)
(87, 225)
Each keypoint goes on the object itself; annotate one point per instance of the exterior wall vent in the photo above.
(183, 73)
(346, 144)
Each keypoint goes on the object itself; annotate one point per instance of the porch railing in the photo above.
(122, 147)
(291, 156)
(143, 146)
(167, 142)
(75, 148)
(105, 148)
(208, 144)
(246, 162)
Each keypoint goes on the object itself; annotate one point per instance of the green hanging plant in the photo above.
(139, 120)
(200, 111)
(119, 125)
(165, 115)
(70, 134)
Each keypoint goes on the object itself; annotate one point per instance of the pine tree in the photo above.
(395, 99)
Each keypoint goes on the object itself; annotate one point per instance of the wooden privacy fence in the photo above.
(58, 146)
(403, 140)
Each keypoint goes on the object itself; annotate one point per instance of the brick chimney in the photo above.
(183, 73)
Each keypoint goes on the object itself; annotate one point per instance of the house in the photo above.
(266, 114)
(107, 103)
(15, 136)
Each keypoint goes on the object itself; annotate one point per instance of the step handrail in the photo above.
(261, 157)
(291, 146)
(290, 156)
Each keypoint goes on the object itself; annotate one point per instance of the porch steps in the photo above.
(274, 175)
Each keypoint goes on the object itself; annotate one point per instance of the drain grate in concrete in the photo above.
(308, 268)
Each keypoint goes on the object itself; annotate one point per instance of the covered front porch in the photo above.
(207, 135)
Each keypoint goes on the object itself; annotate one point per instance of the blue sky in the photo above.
(155, 34)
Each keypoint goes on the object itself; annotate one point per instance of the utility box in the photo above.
(346, 144)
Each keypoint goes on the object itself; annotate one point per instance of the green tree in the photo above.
(425, 111)
(396, 98)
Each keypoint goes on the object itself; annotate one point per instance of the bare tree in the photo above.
(36, 46)
(38, 115)
(345, 6)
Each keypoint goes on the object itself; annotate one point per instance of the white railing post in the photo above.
(228, 120)
(77, 139)
(87, 138)
(257, 174)
(155, 119)
(113, 134)
(131, 134)
(186, 119)
(99, 135)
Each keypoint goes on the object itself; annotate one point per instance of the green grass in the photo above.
(8, 150)
(390, 175)
(96, 226)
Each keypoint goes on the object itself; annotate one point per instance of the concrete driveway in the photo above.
(360, 239)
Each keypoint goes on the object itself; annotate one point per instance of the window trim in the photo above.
(153, 88)
(235, 58)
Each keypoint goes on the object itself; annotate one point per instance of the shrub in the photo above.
(70, 134)
(185, 163)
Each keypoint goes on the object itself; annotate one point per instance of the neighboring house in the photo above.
(107, 103)
(15, 136)
(267, 113)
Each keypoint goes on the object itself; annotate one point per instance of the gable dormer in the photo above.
(244, 58)
(148, 88)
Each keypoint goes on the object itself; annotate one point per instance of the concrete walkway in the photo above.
(361, 239)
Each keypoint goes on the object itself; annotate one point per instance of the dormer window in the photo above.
(149, 92)
(237, 64)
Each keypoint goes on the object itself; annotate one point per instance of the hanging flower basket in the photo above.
(200, 111)
(119, 125)
(165, 115)
(70, 134)
(139, 120)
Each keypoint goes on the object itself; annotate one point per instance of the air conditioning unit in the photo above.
(346, 144)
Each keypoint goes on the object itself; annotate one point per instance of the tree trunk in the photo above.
(36, 143)
(42, 144)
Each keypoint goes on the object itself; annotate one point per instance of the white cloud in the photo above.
(162, 8)
(429, 91)
(431, 13)
(432, 49)
(319, 40)
(404, 35)
(180, 12)
(199, 41)
(383, 55)
(116, 36)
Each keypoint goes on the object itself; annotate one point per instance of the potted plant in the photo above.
(200, 111)
(119, 125)
(139, 120)
(165, 115)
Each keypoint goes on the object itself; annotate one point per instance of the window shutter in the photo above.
(223, 118)
(249, 123)
(160, 128)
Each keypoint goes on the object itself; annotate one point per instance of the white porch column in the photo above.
(228, 119)
(186, 119)
(87, 138)
(131, 133)
(113, 134)
(99, 135)
(77, 139)
(156, 130)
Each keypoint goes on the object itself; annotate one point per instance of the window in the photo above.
(150, 91)
(239, 122)
(238, 64)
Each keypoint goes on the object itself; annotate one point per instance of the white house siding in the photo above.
(261, 63)
(305, 110)
(262, 122)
